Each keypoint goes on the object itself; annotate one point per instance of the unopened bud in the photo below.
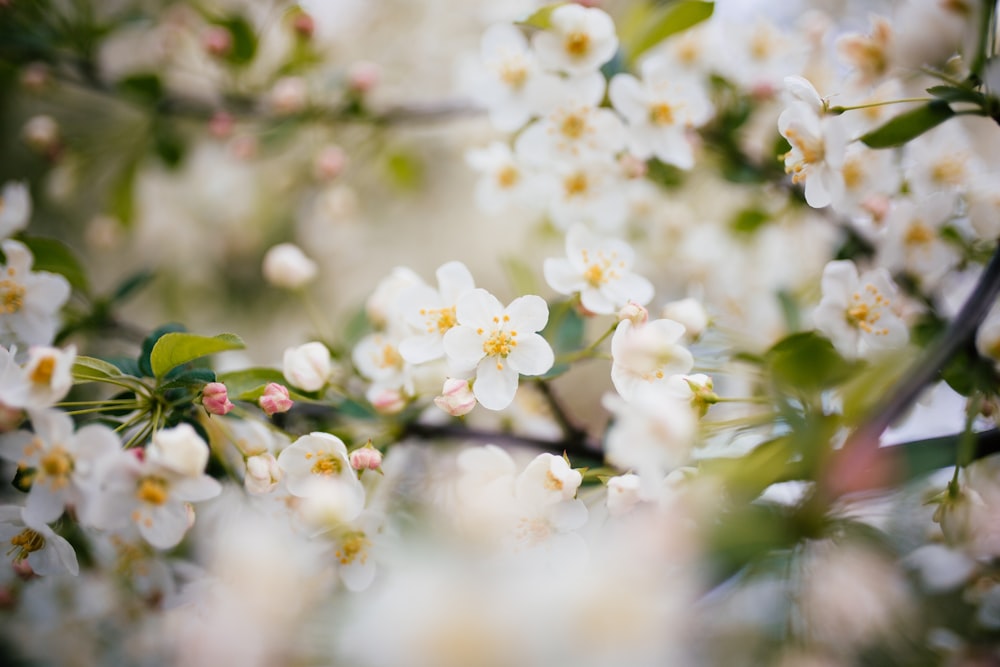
(221, 125)
(42, 133)
(303, 25)
(215, 398)
(286, 266)
(308, 366)
(690, 313)
(289, 95)
(275, 399)
(363, 76)
(263, 474)
(456, 397)
(366, 458)
(329, 163)
(634, 312)
(217, 41)
(389, 401)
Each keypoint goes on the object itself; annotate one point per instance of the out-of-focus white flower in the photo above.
(623, 493)
(387, 400)
(591, 192)
(308, 366)
(634, 313)
(15, 208)
(691, 313)
(579, 41)
(42, 133)
(328, 502)
(29, 301)
(500, 343)
(34, 543)
(599, 270)
(275, 399)
(547, 479)
(45, 379)
(968, 520)
(818, 145)
(262, 474)
(869, 175)
(456, 397)
(179, 449)
(286, 266)
(383, 305)
(941, 160)
(660, 109)
(857, 312)
(377, 358)
(648, 353)
(322, 457)
(870, 55)
(913, 241)
(65, 463)
(505, 182)
(431, 312)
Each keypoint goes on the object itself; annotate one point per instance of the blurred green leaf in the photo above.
(57, 257)
(131, 285)
(564, 332)
(176, 348)
(749, 220)
(541, 18)
(520, 275)
(144, 88)
(168, 144)
(188, 378)
(405, 170)
(909, 125)
(121, 197)
(957, 94)
(244, 40)
(807, 362)
(672, 19)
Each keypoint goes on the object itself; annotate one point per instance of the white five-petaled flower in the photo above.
(857, 312)
(499, 343)
(660, 110)
(29, 301)
(46, 377)
(579, 41)
(647, 353)
(316, 460)
(431, 312)
(818, 144)
(504, 181)
(15, 208)
(23, 539)
(599, 269)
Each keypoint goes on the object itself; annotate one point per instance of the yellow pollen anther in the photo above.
(919, 234)
(577, 44)
(390, 357)
(949, 170)
(508, 177)
(56, 463)
(853, 174)
(25, 543)
(327, 464)
(440, 319)
(552, 483)
(152, 490)
(11, 296)
(575, 185)
(573, 126)
(514, 73)
(661, 114)
(42, 374)
(499, 344)
(353, 546)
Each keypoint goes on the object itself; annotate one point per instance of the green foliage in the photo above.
(564, 332)
(909, 125)
(541, 18)
(143, 88)
(144, 364)
(958, 94)
(670, 20)
(749, 220)
(245, 384)
(404, 170)
(807, 362)
(90, 369)
(244, 40)
(57, 257)
(173, 349)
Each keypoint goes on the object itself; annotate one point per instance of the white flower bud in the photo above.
(289, 95)
(179, 449)
(308, 366)
(623, 493)
(633, 311)
(263, 474)
(286, 266)
(456, 397)
(690, 313)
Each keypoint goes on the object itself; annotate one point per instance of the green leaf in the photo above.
(245, 383)
(564, 332)
(957, 94)
(57, 257)
(541, 18)
(807, 362)
(90, 369)
(144, 88)
(672, 19)
(244, 41)
(168, 144)
(176, 348)
(908, 126)
(131, 285)
(749, 220)
(405, 170)
(143, 361)
(189, 378)
(121, 196)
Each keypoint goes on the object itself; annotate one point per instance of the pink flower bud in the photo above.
(456, 397)
(303, 25)
(632, 166)
(215, 398)
(363, 76)
(289, 95)
(389, 401)
(217, 41)
(244, 147)
(366, 458)
(275, 399)
(329, 163)
(221, 125)
(634, 312)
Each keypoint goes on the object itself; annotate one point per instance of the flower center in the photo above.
(390, 357)
(354, 545)
(601, 270)
(576, 184)
(11, 296)
(661, 114)
(513, 72)
(57, 464)
(919, 234)
(577, 44)
(42, 374)
(327, 465)
(866, 310)
(553, 483)
(573, 126)
(152, 490)
(853, 173)
(508, 177)
(949, 170)
(25, 543)
(439, 319)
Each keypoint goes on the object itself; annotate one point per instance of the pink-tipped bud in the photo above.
(456, 397)
(634, 312)
(303, 25)
(329, 163)
(217, 41)
(363, 76)
(243, 148)
(289, 95)
(632, 166)
(221, 125)
(389, 401)
(275, 399)
(366, 458)
(215, 398)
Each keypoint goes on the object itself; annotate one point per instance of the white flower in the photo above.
(179, 449)
(590, 191)
(323, 457)
(580, 40)
(29, 302)
(548, 479)
(648, 353)
(913, 241)
(599, 269)
(24, 539)
(818, 144)
(377, 358)
(65, 463)
(689, 312)
(857, 313)
(623, 493)
(505, 182)
(382, 306)
(262, 474)
(500, 343)
(15, 208)
(432, 312)
(308, 366)
(660, 110)
(286, 266)
(45, 379)
(511, 84)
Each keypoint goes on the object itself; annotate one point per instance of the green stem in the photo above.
(588, 351)
(908, 100)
